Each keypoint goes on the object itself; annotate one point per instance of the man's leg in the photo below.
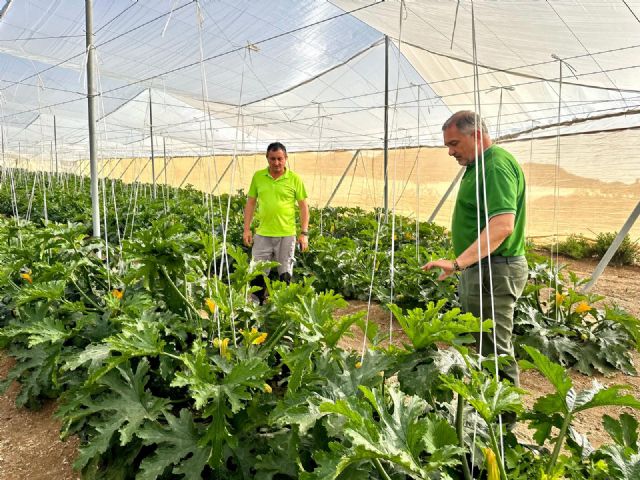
(285, 256)
(262, 250)
(508, 282)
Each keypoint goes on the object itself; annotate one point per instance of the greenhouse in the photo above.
(140, 324)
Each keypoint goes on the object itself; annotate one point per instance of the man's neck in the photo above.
(275, 176)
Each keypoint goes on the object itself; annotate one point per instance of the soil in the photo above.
(31, 449)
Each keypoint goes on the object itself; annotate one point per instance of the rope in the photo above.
(106, 234)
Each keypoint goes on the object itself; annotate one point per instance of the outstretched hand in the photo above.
(446, 266)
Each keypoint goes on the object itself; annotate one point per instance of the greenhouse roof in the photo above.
(227, 76)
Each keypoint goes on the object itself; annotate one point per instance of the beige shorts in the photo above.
(280, 249)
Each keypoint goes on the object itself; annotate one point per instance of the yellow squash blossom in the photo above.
(267, 388)
(260, 339)
(224, 345)
(358, 364)
(216, 342)
(493, 473)
(559, 298)
(27, 277)
(583, 307)
(117, 293)
(211, 305)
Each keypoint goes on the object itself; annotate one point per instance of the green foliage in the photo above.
(575, 246)
(165, 368)
(401, 434)
(565, 325)
(558, 409)
(627, 253)
(426, 327)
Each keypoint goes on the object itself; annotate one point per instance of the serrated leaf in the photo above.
(623, 431)
(553, 372)
(599, 396)
(177, 445)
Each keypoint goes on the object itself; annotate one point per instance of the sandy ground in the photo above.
(30, 447)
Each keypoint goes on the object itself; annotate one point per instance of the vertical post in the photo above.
(153, 157)
(386, 128)
(55, 142)
(91, 97)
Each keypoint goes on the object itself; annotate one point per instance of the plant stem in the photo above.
(177, 290)
(84, 295)
(559, 441)
(383, 473)
(496, 450)
(460, 432)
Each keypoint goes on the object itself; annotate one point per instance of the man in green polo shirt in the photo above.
(488, 239)
(275, 191)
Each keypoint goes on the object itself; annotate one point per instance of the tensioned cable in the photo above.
(392, 267)
(62, 62)
(586, 50)
(479, 154)
(553, 282)
(238, 49)
(632, 12)
(340, 113)
(224, 260)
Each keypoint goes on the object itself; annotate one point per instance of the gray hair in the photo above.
(466, 121)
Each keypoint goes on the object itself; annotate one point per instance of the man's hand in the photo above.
(247, 238)
(303, 241)
(446, 266)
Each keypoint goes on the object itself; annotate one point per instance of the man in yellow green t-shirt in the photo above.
(275, 192)
(489, 255)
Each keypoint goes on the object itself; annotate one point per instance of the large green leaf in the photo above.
(176, 444)
(553, 372)
(400, 434)
(623, 431)
(426, 327)
(125, 408)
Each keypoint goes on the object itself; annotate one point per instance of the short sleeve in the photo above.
(502, 190)
(253, 188)
(301, 192)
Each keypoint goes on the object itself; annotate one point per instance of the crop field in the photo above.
(163, 367)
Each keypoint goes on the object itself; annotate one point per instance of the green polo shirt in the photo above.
(276, 202)
(505, 194)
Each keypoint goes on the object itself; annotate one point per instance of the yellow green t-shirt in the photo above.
(276, 202)
(505, 194)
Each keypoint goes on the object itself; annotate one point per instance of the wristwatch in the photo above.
(456, 266)
(305, 233)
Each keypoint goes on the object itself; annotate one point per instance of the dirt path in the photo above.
(30, 445)
(30, 448)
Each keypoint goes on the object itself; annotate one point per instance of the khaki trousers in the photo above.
(509, 276)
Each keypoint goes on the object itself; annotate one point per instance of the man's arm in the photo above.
(249, 208)
(500, 227)
(303, 240)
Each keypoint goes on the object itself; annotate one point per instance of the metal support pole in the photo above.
(344, 174)
(221, 177)
(153, 157)
(189, 172)
(164, 149)
(91, 95)
(613, 248)
(386, 128)
(446, 194)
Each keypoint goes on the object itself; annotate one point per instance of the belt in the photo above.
(496, 259)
